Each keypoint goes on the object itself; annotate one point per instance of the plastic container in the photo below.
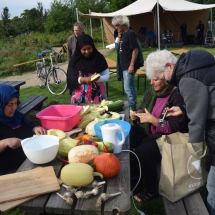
(63, 117)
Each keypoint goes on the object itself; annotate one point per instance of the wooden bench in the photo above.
(190, 205)
(32, 103)
(19, 66)
(140, 74)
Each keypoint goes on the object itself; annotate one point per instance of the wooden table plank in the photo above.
(88, 206)
(176, 208)
(194, 204)
(38, 204)
(120, 183)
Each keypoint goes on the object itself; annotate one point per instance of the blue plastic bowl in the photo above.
(126, 127)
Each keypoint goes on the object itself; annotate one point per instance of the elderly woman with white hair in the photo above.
(194, 75)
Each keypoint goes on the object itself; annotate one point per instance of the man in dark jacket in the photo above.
(194, 75)
(78, 29)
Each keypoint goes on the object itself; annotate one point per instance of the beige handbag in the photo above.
(181, 169)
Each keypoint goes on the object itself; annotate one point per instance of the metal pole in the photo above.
(102, 34)
(77, 14)
(158, 20)
(211, 18)
(91, 31)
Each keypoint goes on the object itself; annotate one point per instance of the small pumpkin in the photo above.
(107, 164)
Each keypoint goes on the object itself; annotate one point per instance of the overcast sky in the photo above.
(16, 7)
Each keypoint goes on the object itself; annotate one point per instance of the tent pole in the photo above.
(91, 31)
(158, 19)
(211, 19)
(102, 34)
(77, 13)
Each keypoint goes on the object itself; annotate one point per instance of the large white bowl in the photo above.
(41, 149)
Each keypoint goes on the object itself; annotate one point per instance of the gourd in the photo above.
(56, 132)
(107, 164)
(90, 128)
(82, 154)
(66, 145)
(117, 105)
(78, 174)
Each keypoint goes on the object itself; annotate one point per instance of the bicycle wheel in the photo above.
(41, 74)
(56, 81)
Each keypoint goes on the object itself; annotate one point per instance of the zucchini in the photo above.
(117, 105)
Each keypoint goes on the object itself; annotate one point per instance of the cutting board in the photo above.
(12, 204)
(28, 184)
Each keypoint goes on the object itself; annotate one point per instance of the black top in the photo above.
(127, 45)
(11, 159)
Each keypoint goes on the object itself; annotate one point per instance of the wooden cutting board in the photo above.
(12, 204)
(28, 184)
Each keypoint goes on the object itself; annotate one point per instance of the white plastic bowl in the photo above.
(41, 149)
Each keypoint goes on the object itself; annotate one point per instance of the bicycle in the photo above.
(55, 78)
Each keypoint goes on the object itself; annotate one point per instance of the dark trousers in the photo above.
(200, 38)
(148, 153)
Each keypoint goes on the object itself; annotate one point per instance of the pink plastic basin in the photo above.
(63, 117)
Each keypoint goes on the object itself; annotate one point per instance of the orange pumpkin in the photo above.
(107, 164)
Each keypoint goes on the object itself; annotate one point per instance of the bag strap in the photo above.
(193, 153)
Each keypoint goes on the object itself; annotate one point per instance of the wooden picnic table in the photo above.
(179, 51)
(51, 203)
(111, 63)
(15, 84)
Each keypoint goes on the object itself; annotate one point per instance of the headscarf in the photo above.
(95, 63)
(150, 101)
(7, 93)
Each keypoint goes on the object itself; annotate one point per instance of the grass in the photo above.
(154, 207)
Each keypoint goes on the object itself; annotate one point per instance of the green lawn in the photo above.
(154, 207)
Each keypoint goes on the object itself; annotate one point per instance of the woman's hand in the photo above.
(147, 118)
(174, 111)
(39, 130)
(13, 143)
(85, 80)
(133, 115)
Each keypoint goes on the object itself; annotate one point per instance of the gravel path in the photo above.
(31, 78)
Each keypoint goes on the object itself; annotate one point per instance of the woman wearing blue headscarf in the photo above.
(14, 127)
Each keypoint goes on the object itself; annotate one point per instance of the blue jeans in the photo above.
(211, 191)
(210, 140)
(128, 79)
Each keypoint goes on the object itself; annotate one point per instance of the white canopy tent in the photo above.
(157, 15)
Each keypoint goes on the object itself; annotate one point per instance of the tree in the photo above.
(60, 17)
(115, 5)
(5, 15)
(34, 18)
